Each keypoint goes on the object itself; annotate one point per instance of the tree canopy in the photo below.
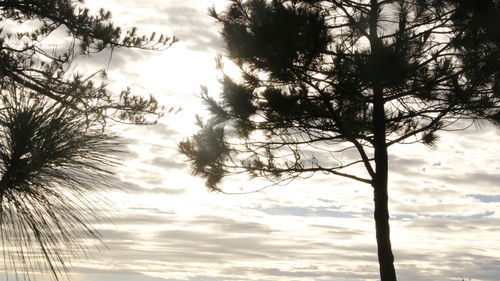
(332, 76)
(55, 148)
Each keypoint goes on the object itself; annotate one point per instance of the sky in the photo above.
(166, 226)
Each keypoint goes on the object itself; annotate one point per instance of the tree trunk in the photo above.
(381, 214)
(379, 183)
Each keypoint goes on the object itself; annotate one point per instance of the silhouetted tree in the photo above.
(337, 75)
(54, 146)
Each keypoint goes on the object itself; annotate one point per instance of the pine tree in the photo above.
(55, 147)
(346, 75)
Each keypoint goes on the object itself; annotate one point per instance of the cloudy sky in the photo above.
(166, 226)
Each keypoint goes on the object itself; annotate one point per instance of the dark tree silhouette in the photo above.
(346, 75)
(54, 146)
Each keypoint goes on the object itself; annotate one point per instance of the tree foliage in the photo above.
(332, 76)
(55, 150)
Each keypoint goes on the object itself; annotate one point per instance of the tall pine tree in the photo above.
(346, 75)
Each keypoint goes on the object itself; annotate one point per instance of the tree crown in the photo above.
(313, 71)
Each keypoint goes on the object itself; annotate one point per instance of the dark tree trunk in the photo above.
(379, 183)
(381, 214)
